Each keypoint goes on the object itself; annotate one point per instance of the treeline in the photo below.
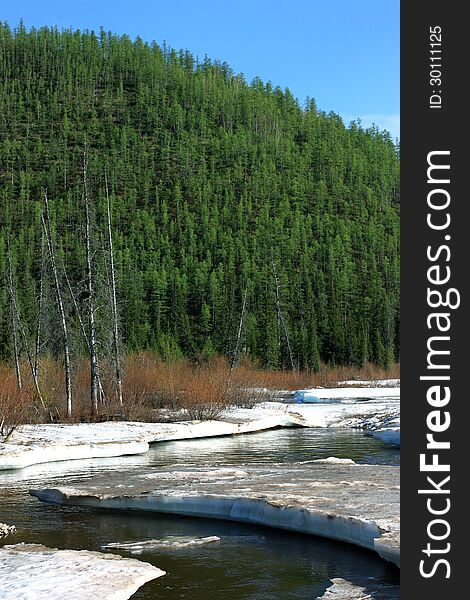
(242, 223)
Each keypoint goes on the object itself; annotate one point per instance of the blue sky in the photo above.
(343, 53)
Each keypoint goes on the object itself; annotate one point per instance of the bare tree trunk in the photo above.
(82, 326)
(37, 344)
(281, 317)
(77, 311)
(15, 347)
(17, 317)
(91, 299)
(240, 330)
(30, 359)
(46, 224)
(11, 292)
(117, 361)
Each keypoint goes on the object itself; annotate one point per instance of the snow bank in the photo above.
(342, 393)
(32, 571)
(388, 546)
(33, 444)
(379, 417)
(360, 414)
(18, 456)
(346, 502)
(372, 382)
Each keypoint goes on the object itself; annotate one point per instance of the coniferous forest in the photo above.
(225, 217)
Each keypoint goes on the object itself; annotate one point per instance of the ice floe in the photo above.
(362, 589)
(344, 590)
(332, 460)
(173, 542)
(35, 572)
(347, 502)
(389, 436)
(388, 546)
(6, 529)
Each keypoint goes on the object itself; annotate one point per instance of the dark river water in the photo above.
(249, 562)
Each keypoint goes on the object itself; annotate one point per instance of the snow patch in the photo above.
(372, 382)
(30, 571)
(332, 460)
(356, 393)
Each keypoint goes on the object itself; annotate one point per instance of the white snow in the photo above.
(34, 572)
(372, 382)
(332, 460)
(171, 543)
(356, 414)
(341, 393)
(380, 417)
(17, 456)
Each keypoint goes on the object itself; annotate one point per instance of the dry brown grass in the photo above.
(15, 403)
(200, 390)
(249, 375)
(196, 390)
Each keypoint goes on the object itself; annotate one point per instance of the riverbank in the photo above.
(33, 444)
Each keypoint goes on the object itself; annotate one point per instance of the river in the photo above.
(248, 563)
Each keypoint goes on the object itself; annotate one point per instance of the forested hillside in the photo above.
(242, 223)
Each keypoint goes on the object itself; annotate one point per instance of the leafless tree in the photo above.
(37, 343)
(17, 317)
(240, 331)
(117, 358)
(46, 224)
(13, 322)
(94, 377)
(280, 316)
(82, 326)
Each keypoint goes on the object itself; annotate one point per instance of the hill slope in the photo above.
(220, 191)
